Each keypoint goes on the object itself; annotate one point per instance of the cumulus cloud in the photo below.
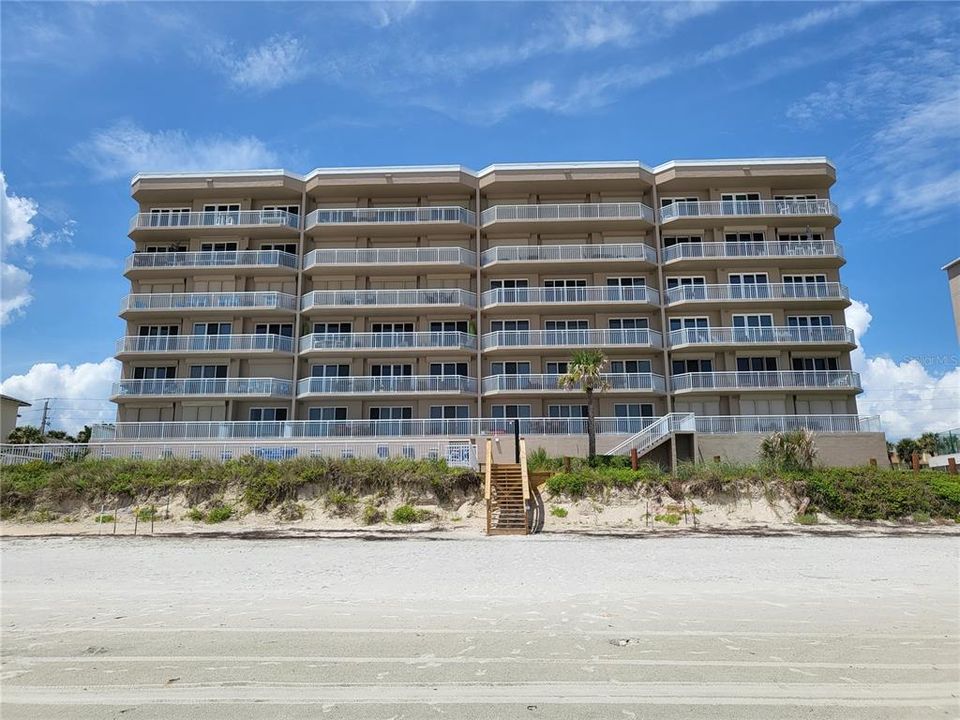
(14, 291)
(17, 216)
(908, 399)
(280, 60)
(384, 14)
(124, 148)
(80, 392)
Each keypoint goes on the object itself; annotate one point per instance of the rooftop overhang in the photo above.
(324, 183)
(566, 177)
(777, 173)
(254, 184)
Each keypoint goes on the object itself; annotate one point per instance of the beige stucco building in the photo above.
(953, 278)
(379, 297)
(9, 409)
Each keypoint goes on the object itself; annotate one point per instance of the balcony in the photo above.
(834, 380)
(384, 261)
(616, 382)
(390, 384)
(715, 212)
(783, 335)
(766, 424)
(561, 298)
(391, 221)
(143, 263)
(258, 223)
(415, 342)
(203, 387)
(566, 217)
(806, 253)
(533, 339)
(204, 344)
(830, 293)
(207, 302)
(568, 256)
(388, 301)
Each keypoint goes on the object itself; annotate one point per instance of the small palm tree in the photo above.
(585, 372)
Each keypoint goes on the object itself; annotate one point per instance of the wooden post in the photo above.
(100, 520)
(716, 459)
(873, 462)
(152, 515)
(166, 515)
(633, 458)
(566, 463)
(952, 466)
(116, 511)
(916, 463)
(136, 520)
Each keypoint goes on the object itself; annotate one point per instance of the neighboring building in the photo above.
(374, 297)
(953, 276)
(9, 409)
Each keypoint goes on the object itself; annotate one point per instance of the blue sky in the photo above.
(94, 92)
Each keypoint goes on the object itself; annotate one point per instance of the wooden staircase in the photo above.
(507, 492)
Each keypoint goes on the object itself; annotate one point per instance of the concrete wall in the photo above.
(834, 450)
(8, 417)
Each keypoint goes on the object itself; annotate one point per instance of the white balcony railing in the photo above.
(390, 256)
(226, 219)
(766, 424)
(568, 253)
(774, 249)
(454, 215)
(782, 335)
(388, 341)
(767, 380)
(231, 258)
(597, 294)
(567, 211)
(371, 384)
(741, 208)
(760, 291)
(388, 298)
(206, 387)
(535, 383)
(209, 301)
(204, 343)
(640, 337)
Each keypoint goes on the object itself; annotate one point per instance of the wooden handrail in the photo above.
(523, 469)
(489, 470)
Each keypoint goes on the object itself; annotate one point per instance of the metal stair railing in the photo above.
(653, 434)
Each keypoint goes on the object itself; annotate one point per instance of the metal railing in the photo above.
(766, 424)
(204, 343)
(388, 298)
(226, 258)
(456, 453)
(388, 341)
(269, 300)
(657, 431)
(766, 379)
(373, 384)
(759, 291)
(589, 294)
(392, 216)
(541, 382)
(640, 337)
(228, 387)
(568, 211)
(778, 335)
(773, 249)
(390, 256)
(568, 253)
(738, 208)
(272, 218)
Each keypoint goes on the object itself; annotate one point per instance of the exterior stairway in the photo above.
(656, 434)
(507, 493)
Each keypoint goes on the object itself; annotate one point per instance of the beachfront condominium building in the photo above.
(380, 295)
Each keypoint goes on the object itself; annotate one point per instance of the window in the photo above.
(151, 330)
(809, 320)
(449, 412)
(567, 411)
(449, 368)
(509, 325)
(273, 414)
(510, 411)
(748, 278)
(671, 200)
(221, 214)
(391, 413)
(628, 323)
(322, 328)
(673, 282)
(756, 364)
(565, 283)
(208, 371)
(794, 197)
(508, 284)
(169, 217)
(510, 368)
(327, 413)
(740, 197)
(828, 363)
(218, 247)
(749, 285)
(222, 207)
(397, 370)
(154, 373)
(566, 325)
(450, 326)
(751, 321)
(671, 240)
(164, 248)
(292, 209)
(679, 367)
(282, 247)
(330, 371)
(212, 328)
(818, 278)
(796, 237)
(391, 327)
(744, 237)
(285, 329)
(626, 282)
(630, 366)
(689, 323)
(633, 410)
(557, 368)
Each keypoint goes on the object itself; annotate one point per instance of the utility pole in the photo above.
(43, 417)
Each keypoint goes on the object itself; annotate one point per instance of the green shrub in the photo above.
(218, 514)
(43, 515)
(792, 450)
(668, 518)
(921, 517)
(558, 512)
(102, 519)
(341, 503)
(146, 514)
(196, 514)
(372, 515)
(290, 511)
(806, 519)
(406, 514)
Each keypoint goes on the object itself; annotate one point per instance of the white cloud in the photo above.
(908, 399)
(280, 60)
(391, 12)
(80, 392)
(17, 216)
(125, 149)
(14, 292)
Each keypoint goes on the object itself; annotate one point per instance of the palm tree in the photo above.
(585, 372)
(928, 443)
